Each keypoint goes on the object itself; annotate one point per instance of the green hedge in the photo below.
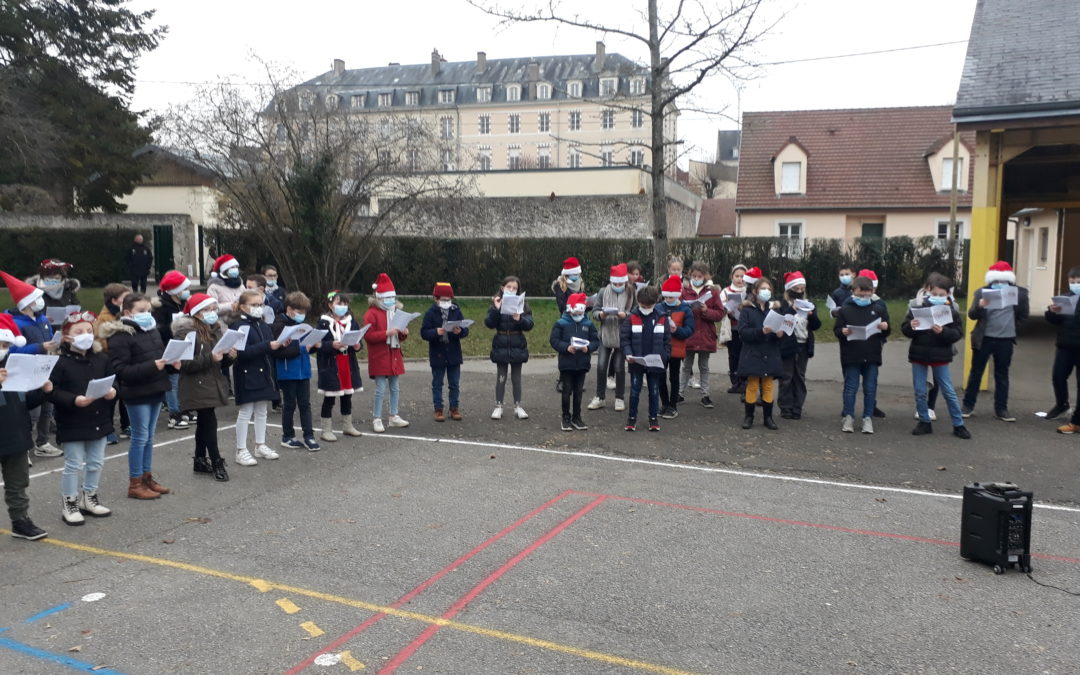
(96, 253)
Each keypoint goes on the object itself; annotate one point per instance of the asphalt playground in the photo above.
(512, 547)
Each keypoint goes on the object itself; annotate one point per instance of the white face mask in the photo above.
(445, 304)
(84, 341)
(4, 353)
(646, 310)
(256, 312)
(37, 305)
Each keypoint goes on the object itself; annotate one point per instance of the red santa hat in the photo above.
(223, 265)
(21, 292)
(571, 266)
(793, 279)
(576, 302)
(197, 303)
(619, 275)
(51, 266)
(1000, 271)
(174, 282)
(752, 275)
(443, 289)
(9, 332)
(869, 274)
(384, 288)
(672, 288)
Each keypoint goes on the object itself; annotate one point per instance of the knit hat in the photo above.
(752, 275)
(738, 266)
(443, 289)
(197, 303)
(21, 292)
(619, 275)
(54, 266)
(793, 279)
(174, 282)
(9, 332)
(575, 301)
(384, 288)
(1000, 271)
(571, 266)
(672, 288)
(869, 274)
(223, 265)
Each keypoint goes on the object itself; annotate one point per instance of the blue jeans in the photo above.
(637, 378)
(868, 372)
(172, 397)
(452, 374)
(380, 394)
(1002, 351)
(144, 417)
(943, 378)
(76, 455)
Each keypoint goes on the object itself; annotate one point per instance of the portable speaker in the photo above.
(996, 526)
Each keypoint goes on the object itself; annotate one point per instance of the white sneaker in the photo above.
(244, 458)
(496, 414)
(46, 449)
(520, 413)
(868, 425)
(596, 403)
(70, 512)
(620, 405)
(933, 415)
(611, 383)
(377, 425)
(88, 503)
(397, 422)
(848, 427)
(264, 451)
(694, 383)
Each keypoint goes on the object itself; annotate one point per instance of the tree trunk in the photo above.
(659, 200)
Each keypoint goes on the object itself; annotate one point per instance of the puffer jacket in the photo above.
(443, 350)
(202, 382)
(15, 409)
(561, 296)
(292, 362)
(789, 344)
(163, 306)
(227, 297)
(383, 360)
(36, 330)
(683, 318)
(1068, 328)
(929, 347)
(253, 379)
(859, 352)
(562, 332)
(70, 377)
(706, 315)
(760, 355)
(509, 345)
(132, 353)
(611, 326)
(68, 297)
(642, 335)
(326, 360)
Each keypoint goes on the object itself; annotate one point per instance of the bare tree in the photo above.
(688, 41)
(314, 181)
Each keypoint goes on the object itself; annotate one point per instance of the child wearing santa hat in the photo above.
(704, 298)
(385, 361)
(568, 282)
(509, 348)
(444, 349)
(574, 359)
(879, 304)
(681, 324)
(54, 281)
(225, 284)
(337, 365)
(174, 289)
(731, 297)
(759, 362)
(994, 336)
(14, 444)
(796, 349)
(617, 298)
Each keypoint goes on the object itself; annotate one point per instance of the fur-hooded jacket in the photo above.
(68, 293)
(132, 353)
(760, 355)
(202, 382)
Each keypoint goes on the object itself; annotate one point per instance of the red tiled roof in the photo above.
(717, 218)
(859, 158)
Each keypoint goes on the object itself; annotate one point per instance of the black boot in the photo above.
(922, 428)
(766, 410)
(748, 421)
(202, 465)
(219, 470)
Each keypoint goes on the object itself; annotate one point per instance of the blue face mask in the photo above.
(185, 295)
(299, 318)
(764, 295)
(578, 317)
(574, 277)
(51, 282)
(234, 273)
(845, 279)
(938, 299)
(672, 303)
(209, 318)
(697, 283)
(861, 302)
(389, 303)
(998, 285)
(144, 319)
(1075, 288)
(618, 289)
(341, 310)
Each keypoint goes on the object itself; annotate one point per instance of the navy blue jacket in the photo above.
(252, 377)
(840, 295)
(1068, 328)
(443, 350)
(37, 331)
(70, 376)
(859, 352)
(566, 328)
(15, 419)
(642, 335)
(326, 358)
(760, 354)
(789, 344)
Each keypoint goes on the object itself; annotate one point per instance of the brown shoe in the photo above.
(1069, 428)
(151, 484)
(439, 416)
(137, 490)
(455, 414)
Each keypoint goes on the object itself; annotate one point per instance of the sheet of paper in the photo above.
(451, 325)
(942, 314)
(401, 320)
(179, 350)
(610, 311)
(578, 342)
(830, 304)
(804, 306)
(1001, 298)
(925, 317)
(733, 304)
(654, 361)
(27, 372)
(865, 332)
(228, 341)
(704, 297)
(56, 315)
(639, 360)
(241, 345)
(513, 304)
(294, 332)
(774, 320)
(353, 337)
(789, 324)
(313, 338)
(99, 387)
(1067, 303)
(592, 300)
(268, 315)
(54, 342)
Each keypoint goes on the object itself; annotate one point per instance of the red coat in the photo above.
(382, 360)
(705, 318)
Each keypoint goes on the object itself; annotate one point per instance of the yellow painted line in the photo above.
(287, 606)
(264, 586)
(352, 663)
(312, 629)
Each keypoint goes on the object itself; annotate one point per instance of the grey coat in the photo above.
(611, 325)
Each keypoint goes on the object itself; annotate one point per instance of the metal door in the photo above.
(163, 249)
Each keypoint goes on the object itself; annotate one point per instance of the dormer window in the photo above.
(789, 169)
(573, 89)
(412, 98)
(332, 102)
(356, 100)
(483, 94)
(947, 175)
(543, 91)
(513, 93)
(446, 95)
(791, 178)
(608, 86)
(637, 86)
(386, 100)
(306, 99)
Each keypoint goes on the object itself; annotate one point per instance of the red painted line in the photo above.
(426, 584)
(801, 523)
(464, 600)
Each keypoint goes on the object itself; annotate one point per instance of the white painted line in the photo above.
(92, 597)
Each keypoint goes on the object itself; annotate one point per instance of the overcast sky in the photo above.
(211, 40)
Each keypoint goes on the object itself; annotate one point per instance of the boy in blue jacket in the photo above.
(567, 335)
(444, 349)
(292, 365)
(646, 332)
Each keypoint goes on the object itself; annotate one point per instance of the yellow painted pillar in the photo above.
(986, 215)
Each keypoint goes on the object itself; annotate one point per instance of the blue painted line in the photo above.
(60, 659)
(48, 612)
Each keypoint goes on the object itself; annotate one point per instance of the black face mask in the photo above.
(113, 309)
(796, 294)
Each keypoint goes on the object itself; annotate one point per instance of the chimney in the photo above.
(481, 62)
(601, 55)
(533, 71)
(339, 67)
(436, 62)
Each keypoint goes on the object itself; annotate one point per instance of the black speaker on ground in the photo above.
(996, 526)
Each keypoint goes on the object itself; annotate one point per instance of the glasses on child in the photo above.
(76, 317)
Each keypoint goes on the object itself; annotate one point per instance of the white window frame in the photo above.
(573, 89)
(543, 156)
(513, 92)
(543, 91)
(384, 128)
(573, 120)
(573, 157)
(513, 123)
(483, 94)
(637, 86)
(332, 101)
(413, 156)
(385, 100)
(607, 155)
(543, 122)
(306, 100)
(483, 125)
(446, 127)
(609, 86)
(607, 119)
(785, 187)
(447, 96)
(1043, 242)
(449, 162)
(946, 175)
(781, 224)
(484, 157)
(637, 156)
(357, 100)
(637, 118)
(412, 98)
(514, 158)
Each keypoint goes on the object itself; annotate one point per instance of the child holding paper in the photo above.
(731, 298)
(759, 360)
(613, 304)
(293, 365)
(174, 289)
(861, 359)
(82, 423)
(509, 348)
(574, 337)
(339, 370)
(203, 385)
(444, 349)
(113, 296)
(385, 362)
(253, 381)
(1067, 353)
(568, 283)
(846, 275)
(646, 334)
(796, 349)
(681, 324)
(701, 344)
(931, 349)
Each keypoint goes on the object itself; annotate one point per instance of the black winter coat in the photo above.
(1068, 328)
(859, 352)
(443, 350)
(202, 382)
(139, 259)
(509, 345)
(566, 328)
(70, 376)
(789, 344)
(132, 353)
(15, 420)
(326, 359)
(253, 378)
(163, 307)
(760, 354)
(641, 335)
(930, 347)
